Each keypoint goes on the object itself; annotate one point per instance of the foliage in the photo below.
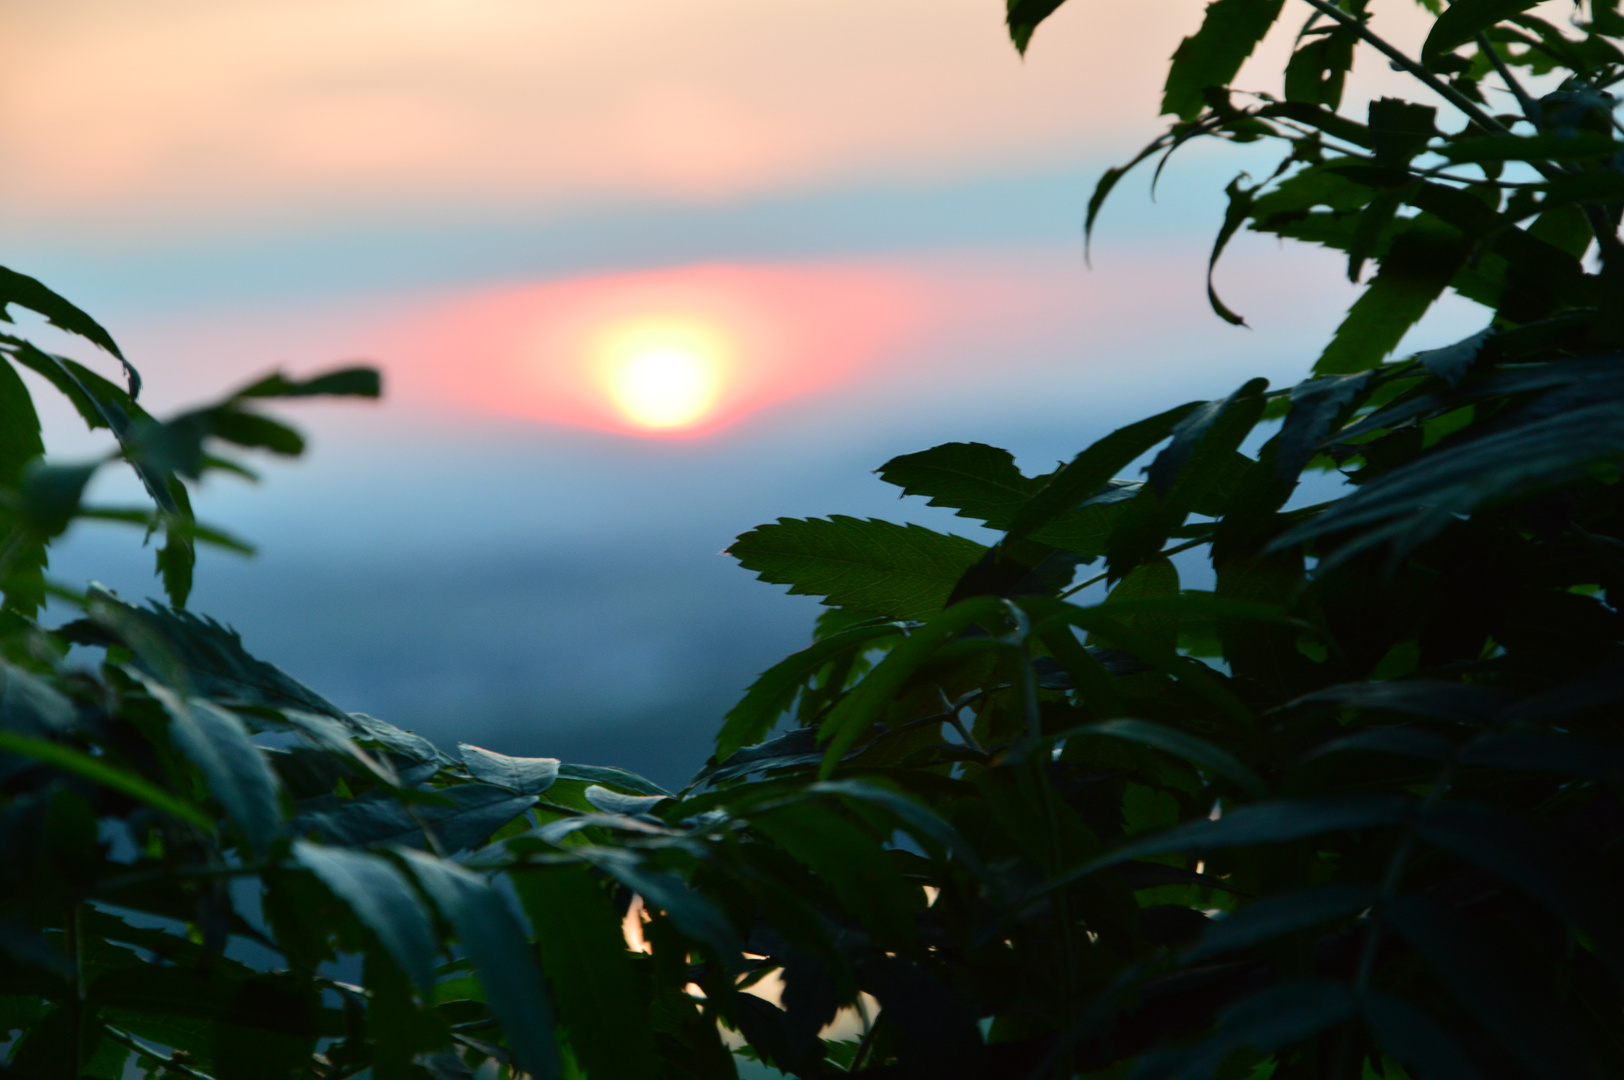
(1353, 811)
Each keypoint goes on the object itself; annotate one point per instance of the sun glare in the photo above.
(664, 375)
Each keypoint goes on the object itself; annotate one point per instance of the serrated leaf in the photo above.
(977, 480)
(1315, 408)
(774, 690)
(899, 571)
(583, 953)
(501, 957)
(1086, 475)
(1416, 270)
(1463, 20)
(530, 776)
(853, 864)
(238, 776)
(1212, 56)
(1023, 16)
(467, 815)
(382, 899)
(27, 292)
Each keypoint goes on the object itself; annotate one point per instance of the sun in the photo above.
(663, 374)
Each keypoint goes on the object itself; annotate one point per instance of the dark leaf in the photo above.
(1424, 257)
(467, 815)
(1229, 32)
(1316, 406)
(344, 382)
(383, 900)
(977, 480)
(1414, 1039)
(583, 953)
(238, 776)
(26, 292)
(1284, 913)
(900, 571)
(1463, 20)
(501, 958)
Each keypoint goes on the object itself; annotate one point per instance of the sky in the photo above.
(640, 275)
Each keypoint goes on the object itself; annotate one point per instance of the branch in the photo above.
(1435, 84)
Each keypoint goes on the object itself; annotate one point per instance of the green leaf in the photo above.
(20, 440)
(690, 911)
(463, 816)
(1275, 916)
(501, 957)
(1235, 215)
(1316, 405)
(238, 776)
(1423, 259)
(97, 771)
(382, 899)
(1399, 130)
(1156, 579)
(1516, 850)
(177, 645)
(583, 953)
(529, 776)
(1022, 17)
(49, 496)
(748, 722)
(1413, 1039)
(1198, 752)
(1211, 57)
(27, 292)
(609, 776)
(853, 864)
(857, 711)
(899, 571)
(1086, 474)
(977, 480)
(1463, 20)
(1543, 146)
(1527, 1022)
(343, 382)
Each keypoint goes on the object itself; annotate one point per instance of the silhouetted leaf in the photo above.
(774, 690)
(1212, 56)
(1268, 1020)
(344, 382)
(977, 480)
(1023, 16)
(1315, 407)
(1463, 20)
(79, 763)
(900, 571)
(1424, 257)
(26, 292)
(693, 914)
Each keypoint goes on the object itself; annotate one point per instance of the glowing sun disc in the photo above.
(663, 375)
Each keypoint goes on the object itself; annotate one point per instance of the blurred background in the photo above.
(641, 275)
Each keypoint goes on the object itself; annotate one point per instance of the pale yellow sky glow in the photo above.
(124, 112)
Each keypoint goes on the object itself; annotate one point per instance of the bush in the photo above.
(1354, 811)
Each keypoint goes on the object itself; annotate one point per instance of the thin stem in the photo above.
(73, 931)
(1525, 101)
(152, 1055)
(1097, 578)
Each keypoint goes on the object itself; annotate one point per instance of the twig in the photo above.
(152, 1055)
